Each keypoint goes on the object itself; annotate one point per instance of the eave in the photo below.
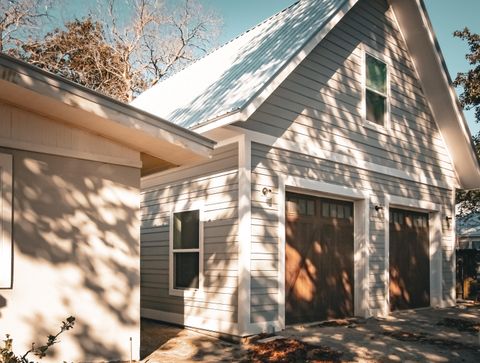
(54, 97)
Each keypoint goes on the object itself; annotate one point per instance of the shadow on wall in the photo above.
(76, 253)
(214, 189)
(319, 108)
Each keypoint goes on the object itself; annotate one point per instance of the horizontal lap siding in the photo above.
(268, 163)
(322, 100)
(215, 185)
(320, 105)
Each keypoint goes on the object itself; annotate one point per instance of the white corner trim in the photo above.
(309, 148)
(245, 233)
(6, 198)
(361, 200)
(217, 326)
(190, 293)
(435, 242)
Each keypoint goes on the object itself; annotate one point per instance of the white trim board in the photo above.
(308, 149)
(6, 198)
(68, 153)
(245, 233)
(435, 241)
(361, 200)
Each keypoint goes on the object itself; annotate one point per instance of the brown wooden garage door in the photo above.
(318, 259)
(409, 260)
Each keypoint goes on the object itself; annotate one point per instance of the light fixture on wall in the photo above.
(267, 193)
(378, 208)
(448, 219)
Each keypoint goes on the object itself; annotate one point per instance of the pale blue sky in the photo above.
(240, 15)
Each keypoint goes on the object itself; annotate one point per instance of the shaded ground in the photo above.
(433, 335)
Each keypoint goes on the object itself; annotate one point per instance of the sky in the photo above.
(446, 16)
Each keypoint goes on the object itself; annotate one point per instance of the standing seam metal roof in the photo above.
(227, 79)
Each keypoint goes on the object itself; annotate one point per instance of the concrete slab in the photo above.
(414, 336)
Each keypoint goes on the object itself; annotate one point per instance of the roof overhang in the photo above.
(434, 78)
(437, 86)
(54, 97)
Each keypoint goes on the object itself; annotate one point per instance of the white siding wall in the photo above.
(320, 105)
(215, 185)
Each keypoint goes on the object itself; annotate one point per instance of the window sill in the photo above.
(189, 293)
(373, 126)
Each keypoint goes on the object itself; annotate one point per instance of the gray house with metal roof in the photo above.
(330, 193)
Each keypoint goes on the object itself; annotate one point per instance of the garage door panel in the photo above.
(319, 259)
(409, 260)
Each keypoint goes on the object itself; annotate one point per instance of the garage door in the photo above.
(409, 260)
(318, 259)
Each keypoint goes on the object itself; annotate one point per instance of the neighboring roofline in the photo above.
(257, 99)
(27, 76)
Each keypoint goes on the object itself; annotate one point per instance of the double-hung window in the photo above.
(376, 92)
(185, 251)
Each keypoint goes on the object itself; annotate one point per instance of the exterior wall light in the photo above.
(378, 208)
(267, 193)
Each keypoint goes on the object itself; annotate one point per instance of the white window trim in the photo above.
(191, 293)
(382, 58)
(435, 248)
(6, 245)
(361, 201)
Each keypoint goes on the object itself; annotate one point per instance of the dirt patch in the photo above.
(290, 351)
(339, 322)
(461, 325)
(423, 338)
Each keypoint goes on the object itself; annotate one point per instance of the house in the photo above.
(70, 167)
(468, 232)
(340, 143)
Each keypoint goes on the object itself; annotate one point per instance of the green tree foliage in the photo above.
(470, 99)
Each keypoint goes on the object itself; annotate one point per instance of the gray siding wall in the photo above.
(320, 104)
(215, 185)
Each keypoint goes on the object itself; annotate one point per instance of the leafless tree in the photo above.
(125, 46)
(18, 17)
(156, 40)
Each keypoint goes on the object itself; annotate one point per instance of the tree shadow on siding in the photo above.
(75, 234)
(318, 108)
(213, 187)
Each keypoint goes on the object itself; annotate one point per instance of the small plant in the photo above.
(8, 356)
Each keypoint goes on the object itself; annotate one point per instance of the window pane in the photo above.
(186, 270)
(186, 230)
(375, 108)
(376, 75)
(310, 207)
(325, 210)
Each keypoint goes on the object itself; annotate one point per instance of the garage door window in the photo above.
(186, 249)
